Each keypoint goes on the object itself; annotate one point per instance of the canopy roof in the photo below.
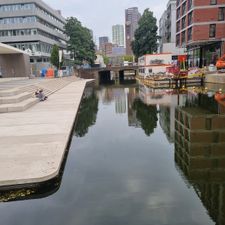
(7, 49)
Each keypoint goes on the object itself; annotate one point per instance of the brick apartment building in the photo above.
(200, 28)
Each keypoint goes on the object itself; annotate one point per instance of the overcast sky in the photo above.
(100, 15)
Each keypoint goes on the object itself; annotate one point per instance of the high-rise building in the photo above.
(118, 35)
(132, 17)
(33, 26)
(102, 42)
(108, 49)
(167, 30)
(200, 27)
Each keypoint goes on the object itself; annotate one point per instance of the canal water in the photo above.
(138, 156)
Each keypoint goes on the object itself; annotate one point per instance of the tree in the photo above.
(80, 42)
(145, 41)
(128, 58)
(55, 56)
(106, 59)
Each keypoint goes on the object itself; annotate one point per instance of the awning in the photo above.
(7, 49)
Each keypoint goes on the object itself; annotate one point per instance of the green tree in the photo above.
(106, 59)
(145, 41)
(80, 42)
(128, 58)
(54, 59)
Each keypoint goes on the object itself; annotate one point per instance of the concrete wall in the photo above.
(15, 65)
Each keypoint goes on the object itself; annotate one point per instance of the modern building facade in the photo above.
(118, 51)
(118, 35)
(200, 28)
(132, 17)
(167, 30)
(32, 26)
(102, 42)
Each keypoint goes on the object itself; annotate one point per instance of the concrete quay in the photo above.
(217, 78)
(33, 142)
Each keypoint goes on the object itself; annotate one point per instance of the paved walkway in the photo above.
(33, 142)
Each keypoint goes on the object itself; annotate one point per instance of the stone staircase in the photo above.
(21, 98)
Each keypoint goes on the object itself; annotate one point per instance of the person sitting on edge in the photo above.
(39, 94)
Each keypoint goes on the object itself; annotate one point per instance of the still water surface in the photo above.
(137, 158)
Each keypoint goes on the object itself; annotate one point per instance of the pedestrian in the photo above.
(40, 95)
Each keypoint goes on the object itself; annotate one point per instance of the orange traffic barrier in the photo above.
(50, 73)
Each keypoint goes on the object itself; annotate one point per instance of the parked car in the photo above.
(220, 64)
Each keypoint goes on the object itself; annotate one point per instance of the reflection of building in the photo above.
(199, 153)
(200, 28)
(151, 96)
(120, 100)
(118, 35)
(166, 120)
(107, 95)
(132, 118)
(132, 17)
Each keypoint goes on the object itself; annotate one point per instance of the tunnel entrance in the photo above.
(105, 77)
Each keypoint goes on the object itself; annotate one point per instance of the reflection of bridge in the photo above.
(110, 73)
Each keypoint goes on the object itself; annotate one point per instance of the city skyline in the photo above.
(96, 19)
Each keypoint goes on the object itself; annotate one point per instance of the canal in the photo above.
(138, 156)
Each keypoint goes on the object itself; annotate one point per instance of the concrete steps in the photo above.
(21, 98)
(10, 92)
(15, 98)
(18, 107)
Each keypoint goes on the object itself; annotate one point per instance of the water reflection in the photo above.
(118, 174)
(200, 150)
(87, 112)
(146, 115)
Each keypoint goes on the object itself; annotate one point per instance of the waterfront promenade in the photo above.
(33, 142)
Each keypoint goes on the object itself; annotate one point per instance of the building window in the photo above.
(178, 13)
(213, 2)
(184, 8)
(190, 18)
(178, 26)
(183, 38)
(190, 34)
(178, 40)
(190, 4)
(212, 30)
(221, 14)
(183, 22)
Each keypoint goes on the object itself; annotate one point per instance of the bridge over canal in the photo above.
(108, 74)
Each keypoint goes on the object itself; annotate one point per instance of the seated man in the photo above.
(39, 94)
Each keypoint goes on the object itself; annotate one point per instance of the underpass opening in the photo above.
(105, 77)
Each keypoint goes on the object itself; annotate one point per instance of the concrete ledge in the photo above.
(10, 92)
(15, 99)
(33, 143)
(18, 107)
(215, 78)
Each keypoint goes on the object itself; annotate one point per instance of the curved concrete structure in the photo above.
(33, 143)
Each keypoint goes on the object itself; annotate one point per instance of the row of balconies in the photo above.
(35, 25)
(34, 12)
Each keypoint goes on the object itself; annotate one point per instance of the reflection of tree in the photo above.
(87, 114)
(147, 115)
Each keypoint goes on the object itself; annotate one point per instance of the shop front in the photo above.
(204, 54)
